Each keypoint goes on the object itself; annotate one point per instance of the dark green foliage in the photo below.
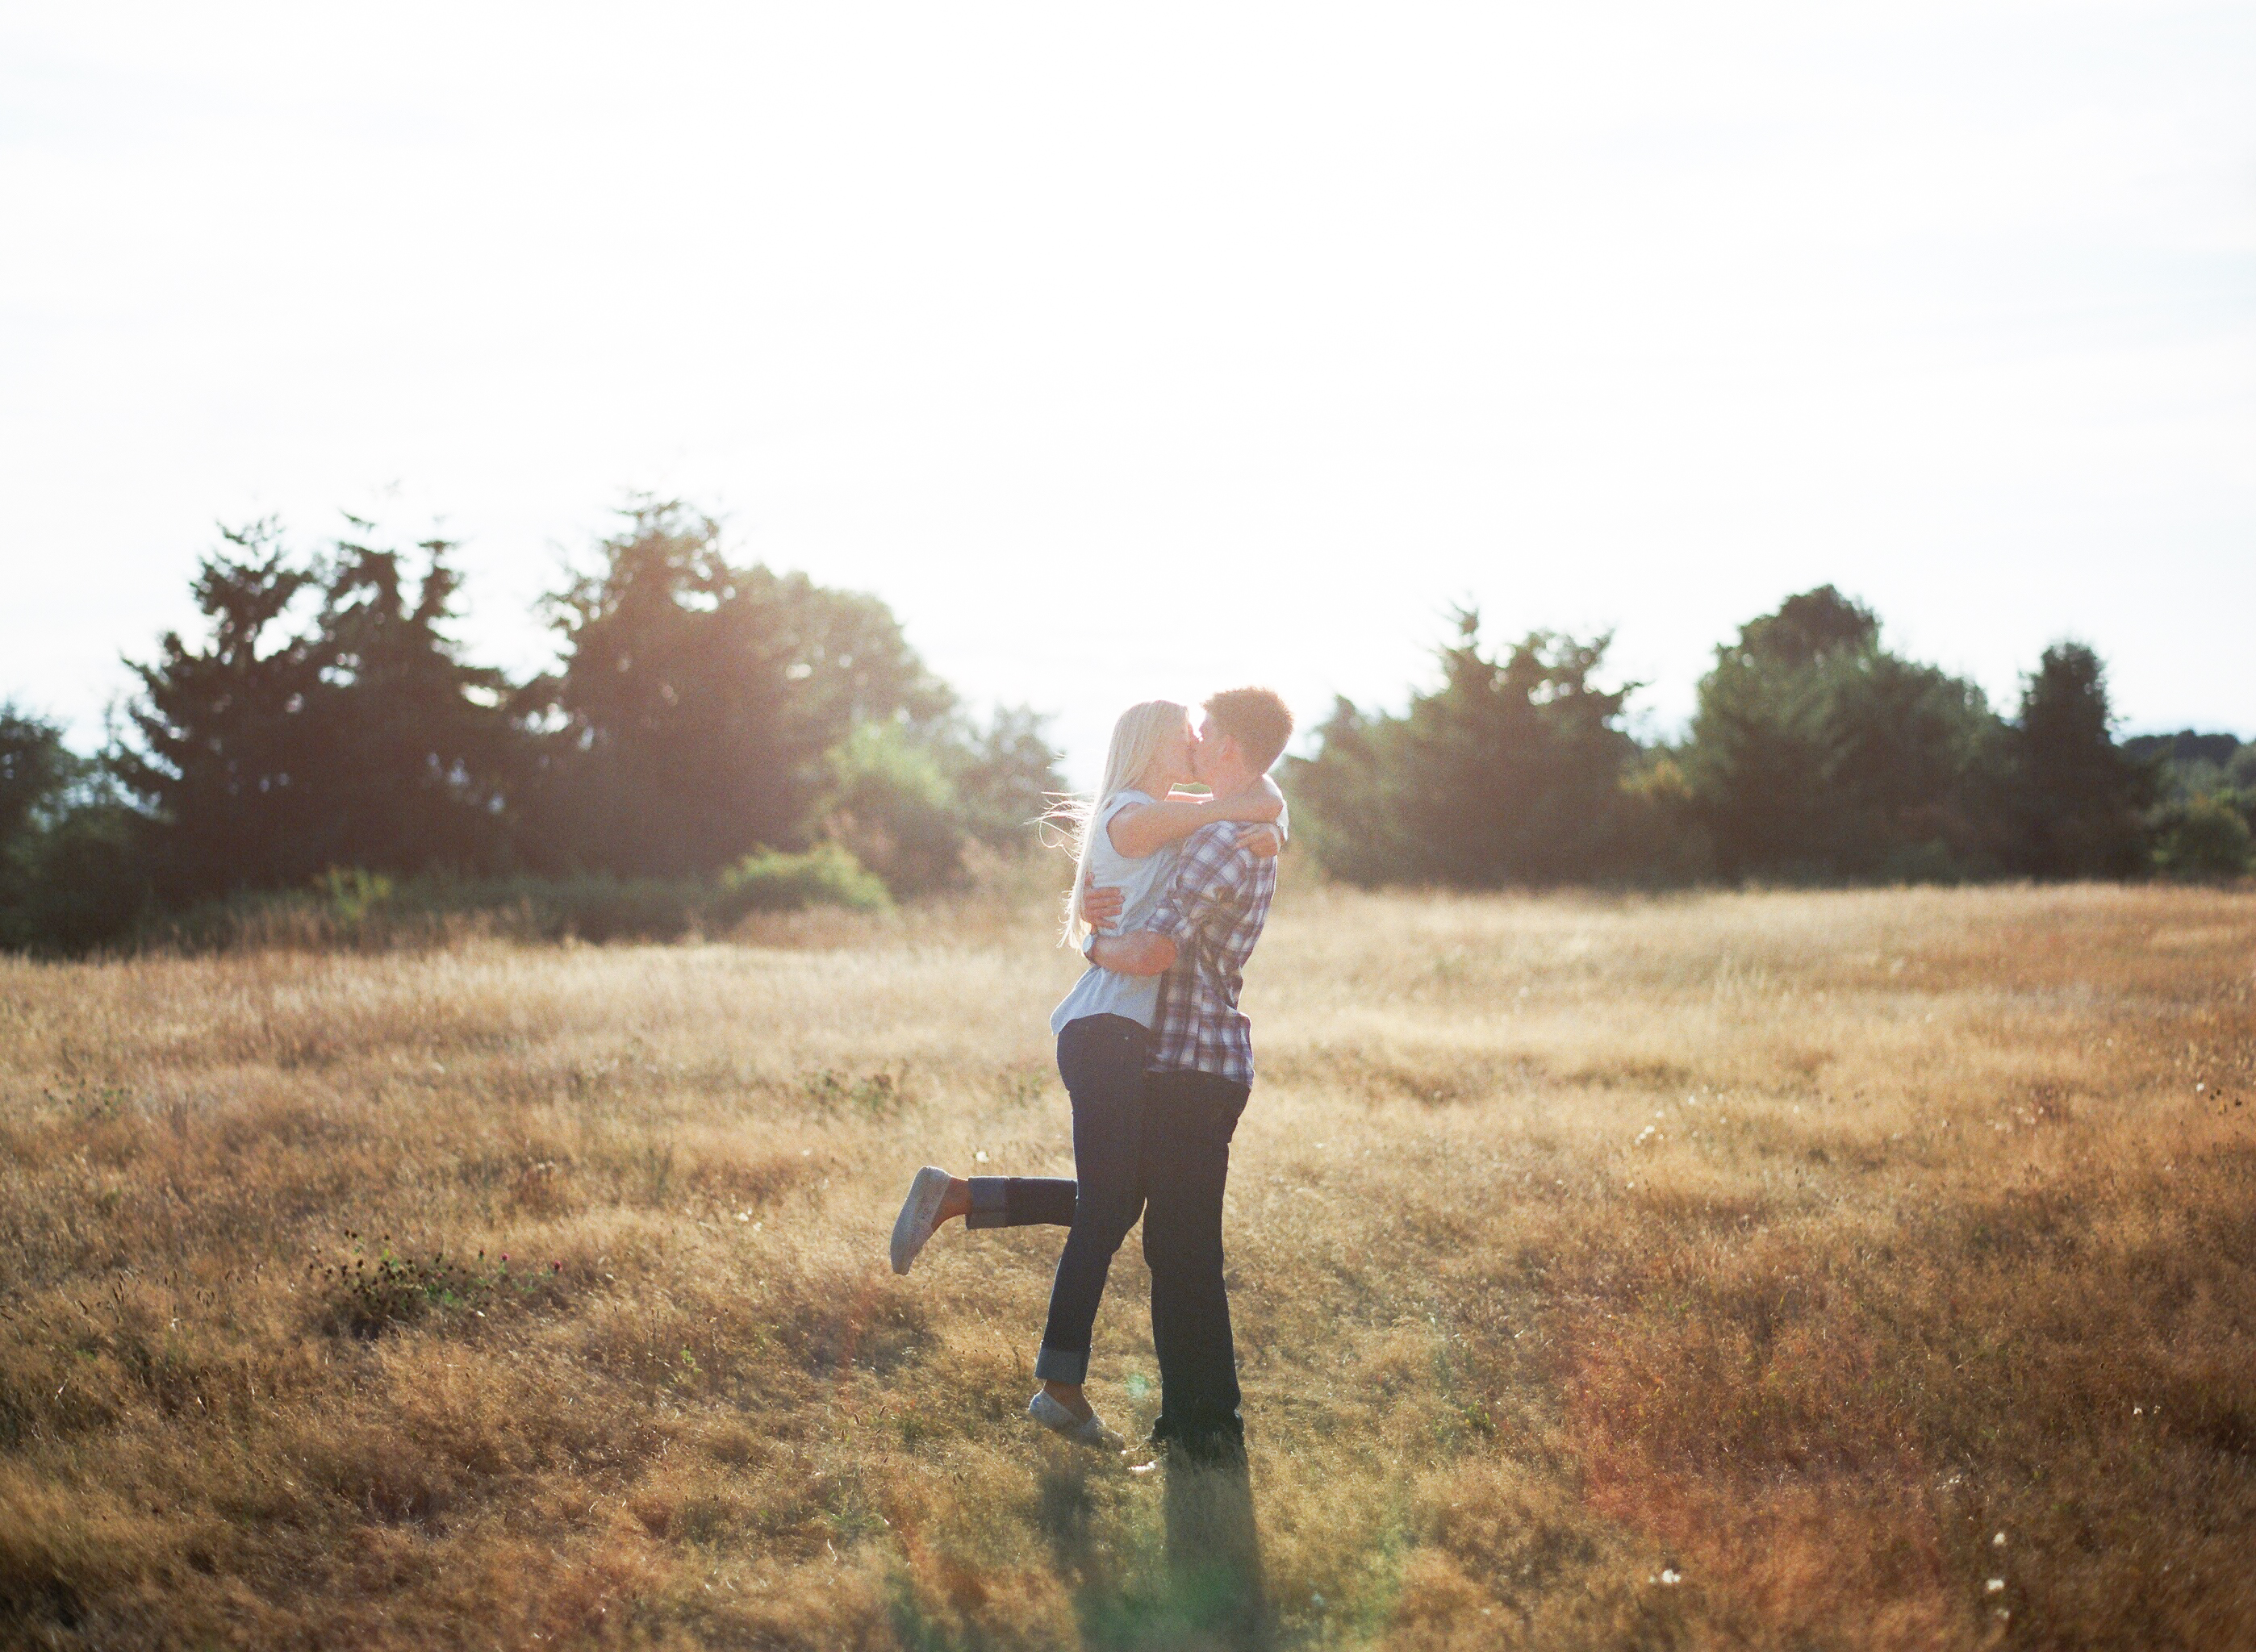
(329, 721)
(2204, 837)
(71, 853)
(2204, 826)
(1815, 754)
(224, 744)
(2186, 749)
(909, 800)
(698, 702)
(2189, 765)
(89, 882)
(891, 802)
(720, 740)
(1509, 772)
(2075, 803)
(1004, 776)
(413, 751)
(714, 739)
(35, 766)
(772, 881)
(361, 909)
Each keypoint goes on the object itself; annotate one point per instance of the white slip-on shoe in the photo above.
(920, 1215)
(1082, 1431)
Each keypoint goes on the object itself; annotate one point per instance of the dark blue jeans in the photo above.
(1154, 1145)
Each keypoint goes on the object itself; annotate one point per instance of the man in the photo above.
(1201, 1073)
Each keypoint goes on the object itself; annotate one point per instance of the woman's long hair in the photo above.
(1136, 740)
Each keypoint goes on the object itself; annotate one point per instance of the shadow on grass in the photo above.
(1187, 1580)
(1210, 1593)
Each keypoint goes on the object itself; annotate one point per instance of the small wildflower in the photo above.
(1995, 1585)
(980, 1157)
(1670, 1575)
(1998, 1542)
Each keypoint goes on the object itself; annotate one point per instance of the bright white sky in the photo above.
(1144, 350)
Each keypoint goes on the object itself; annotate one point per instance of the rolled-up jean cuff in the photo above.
(1061, 1365)
(990, 1202)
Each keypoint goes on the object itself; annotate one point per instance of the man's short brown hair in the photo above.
(1257, 719)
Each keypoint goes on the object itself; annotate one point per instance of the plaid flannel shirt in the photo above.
(1213, 911)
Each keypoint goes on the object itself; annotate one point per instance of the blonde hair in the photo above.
(1136, 740)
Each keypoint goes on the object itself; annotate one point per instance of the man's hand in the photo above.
(1264, 841)
(1100, 906)
(1140, 953)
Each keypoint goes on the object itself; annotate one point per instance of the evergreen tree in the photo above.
(224, 748)
(70, 851)
(1815, 753)
(35, 765)
(699, 701)
(2074, 802)
(413, 748)
(1509, 772)
(329, 721)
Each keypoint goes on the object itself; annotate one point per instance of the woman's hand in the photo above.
(1099, 906)
(1265, 841)
(1257, 805)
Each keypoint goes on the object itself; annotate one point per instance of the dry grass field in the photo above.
(1848, 1269)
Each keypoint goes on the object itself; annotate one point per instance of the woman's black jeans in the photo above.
(1137, 1137)
(1101, 1059)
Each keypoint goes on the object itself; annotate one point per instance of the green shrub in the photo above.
(891, 805)
(2205, 838)
(826, 875)
(351, 908)
(601, 908)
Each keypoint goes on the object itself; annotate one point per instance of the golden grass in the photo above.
(1832, 1253)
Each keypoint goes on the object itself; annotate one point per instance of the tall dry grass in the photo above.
(1880, 1268)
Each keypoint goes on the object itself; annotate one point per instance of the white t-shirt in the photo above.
(1141, 882)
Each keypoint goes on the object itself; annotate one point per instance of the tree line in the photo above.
(718, 738)
(714, 738)
(1816, 755)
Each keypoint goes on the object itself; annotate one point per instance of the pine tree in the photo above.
(328, 722)
(699, 701)
(1815, 753)
(225, 753)
(1509, 772)
(2074, 801)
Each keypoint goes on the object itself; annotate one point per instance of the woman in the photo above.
(1127, 840)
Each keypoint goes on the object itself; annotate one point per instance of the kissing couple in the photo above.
(1170, 892)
